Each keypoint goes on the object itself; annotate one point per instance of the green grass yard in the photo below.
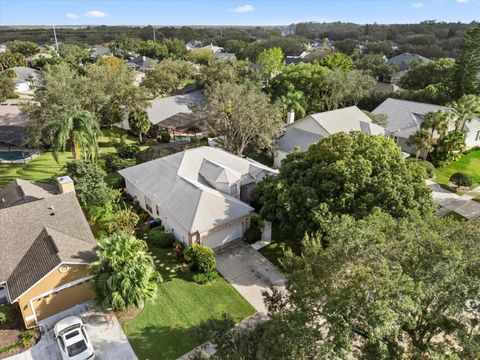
(166, 327)
(43, 167)
(468, 164)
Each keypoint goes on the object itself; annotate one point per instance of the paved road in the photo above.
(104, 331)
(249, 272)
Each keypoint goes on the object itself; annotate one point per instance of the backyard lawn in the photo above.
(281, 241)
(44, 166)
(468, 164)
(165, 328)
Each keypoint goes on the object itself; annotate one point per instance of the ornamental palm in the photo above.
(436, 121)
(422, 141)
(79, 133)
(125, 274)
(466, 109)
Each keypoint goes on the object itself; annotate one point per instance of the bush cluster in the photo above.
(124, 150)
(461, 179)
(254, 233)
(113, 162)
(427, 165)
(158, 236)
(200, 258)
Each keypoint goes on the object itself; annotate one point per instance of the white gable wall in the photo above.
(472, 138)
(309, 124)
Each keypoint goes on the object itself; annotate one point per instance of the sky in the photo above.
(232, 12)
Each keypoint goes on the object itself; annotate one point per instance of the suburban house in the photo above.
(214, 49)
(201, 195)
(100, 51)
(403, 61)
(311, 129)
(46, 247)
(174, 113)
(405, 117)
(141, 63)
(26, 79)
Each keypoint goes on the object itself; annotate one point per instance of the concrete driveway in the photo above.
(104, 331)
(249, 272)
(449, 201)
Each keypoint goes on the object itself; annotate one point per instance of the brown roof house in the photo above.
(46, 246)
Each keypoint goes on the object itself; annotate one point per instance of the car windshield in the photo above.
(76, 348)
(71, 335)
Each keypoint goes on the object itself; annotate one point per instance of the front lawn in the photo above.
(281, 241)
(468, 164)
(165, 328)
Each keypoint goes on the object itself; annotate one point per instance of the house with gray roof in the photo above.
(13, 124)
(46, 247)
(141, 63)
(405, 118)
(201, 195)
(403, 61)
(309, 130)
(26, 79)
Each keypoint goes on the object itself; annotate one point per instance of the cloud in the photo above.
(243, 9)
(96, 14)
(72, 16)
(463, 1)
(417, 5)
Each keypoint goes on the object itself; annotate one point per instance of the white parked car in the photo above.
(73, 340)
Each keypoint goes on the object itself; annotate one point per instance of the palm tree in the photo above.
(466, 108)
(295, 101)
(79, 133)
(422, 141)
(436, 121)
(125, 274)
(139, 122)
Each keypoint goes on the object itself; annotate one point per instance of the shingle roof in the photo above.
(297, 137)
(223, 55)
(21, 191)
(162, 109)
(406, 59)
(142, 62)
(175, 183)
(23, 74)
(404, 117)
(60, 216)
(329, 123)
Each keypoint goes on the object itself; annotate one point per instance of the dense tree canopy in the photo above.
(377, 66)
(7, 87)
(381, 289)
(230, 71)
(241, 114)
(10, 59)
(26, 48)
(420, 75)
(168, 76)
(342, 174)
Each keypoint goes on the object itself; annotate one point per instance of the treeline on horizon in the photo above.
(429, 38)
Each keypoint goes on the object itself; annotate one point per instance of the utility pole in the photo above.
(153, 29)
(55, 35)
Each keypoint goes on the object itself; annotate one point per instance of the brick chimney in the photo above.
(65, 184)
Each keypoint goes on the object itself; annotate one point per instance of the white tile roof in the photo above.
(175, 183)
(163, 108)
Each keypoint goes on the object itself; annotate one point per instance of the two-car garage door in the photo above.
(223, 235)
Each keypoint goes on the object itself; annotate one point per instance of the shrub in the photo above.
(27, 337)
(200, 258)
(425, 164)
(113, 162)
(205, 278)
(253, 234)
(159, 237)
(124, 150)
(3, 317)
(461, 179)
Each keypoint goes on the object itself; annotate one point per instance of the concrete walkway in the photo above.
(249, 272)
(462, 205)
(266, 236)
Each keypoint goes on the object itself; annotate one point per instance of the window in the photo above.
(158, 210)
(149, 208)
(233, 189)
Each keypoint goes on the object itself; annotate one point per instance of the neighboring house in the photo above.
(403, 61)
(3, 48)
(395, 79)
(311, 129)
(295, 59)
(12, 124)
(405, 117)
(141, 63)
(381, 87)
(174, 113)
(223, 55)
(214, 49)
(201, 195)
(100, 51)
(26, 79)
(46, 246)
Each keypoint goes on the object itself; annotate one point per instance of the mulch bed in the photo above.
(11, 331)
